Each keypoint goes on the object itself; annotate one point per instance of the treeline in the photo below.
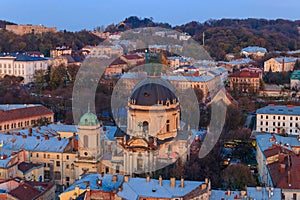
(230, 35)
(11, 42)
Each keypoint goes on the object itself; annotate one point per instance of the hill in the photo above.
(4, 23)
(230, 35)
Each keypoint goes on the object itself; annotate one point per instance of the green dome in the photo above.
(88, 119)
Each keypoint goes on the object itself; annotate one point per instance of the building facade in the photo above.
(278, 119)
(22, 65)
(280, 64)
(28, 29)
(244, 81)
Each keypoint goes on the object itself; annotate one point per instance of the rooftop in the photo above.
(91, 180)
(21, 57)
(245, 74)
(32, 143)
(20, 112)
(25, 166)
(136, 188)
(286, 59)
(254, 49)
(279, 110)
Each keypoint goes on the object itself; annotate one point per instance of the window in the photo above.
(278, 123)
(273, 117)
(57, 156)
(274, 124)
(67, 157)
(57, 163)
(267, 129)
(283, 124)
(37, 155)
(291, 118)
(267, 123)
(57, 175)
(86, 141)
(168, 126)
(291, 124)
(117, 169)
(67, 166)
(145, 126)
(106, 170)
(261, 123)
(44, 155)
(261, 116)
(47, 174)
(67, 178)
(283, 117)
(278, 117)
(48, 156)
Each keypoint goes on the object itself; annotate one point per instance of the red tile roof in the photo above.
(245, 74)
(118, 62)
(24, 113)
(132, 57)
(31, 190)
(24, 166)
(285, 171)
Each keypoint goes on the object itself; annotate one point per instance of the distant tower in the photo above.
(88, 143)
(203, 38)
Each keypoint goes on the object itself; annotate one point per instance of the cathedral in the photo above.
(153, 137)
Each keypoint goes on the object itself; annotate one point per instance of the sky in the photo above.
(75, 15)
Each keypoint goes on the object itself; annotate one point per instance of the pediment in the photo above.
(137, 142)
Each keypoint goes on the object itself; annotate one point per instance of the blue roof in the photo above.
(139, 187)
(222, 194)
(279, 110)
(239, 61)
(263, 141)
(107, 184)
(31, 143)
(22, 57)
(263, 193)
(4, 162)
(110, 132)
(7, 107)
(203, 78)
(254, 49)
(286, 59)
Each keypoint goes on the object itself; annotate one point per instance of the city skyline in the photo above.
(78, 15)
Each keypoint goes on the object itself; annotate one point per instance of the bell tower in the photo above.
(88, 143)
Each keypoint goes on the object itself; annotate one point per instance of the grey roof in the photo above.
(263, 193)
(254, 49)
(279, 110)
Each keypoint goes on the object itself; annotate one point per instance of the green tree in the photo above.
(58, 77)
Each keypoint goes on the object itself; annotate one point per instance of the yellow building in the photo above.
(280, 64)
(28, 29)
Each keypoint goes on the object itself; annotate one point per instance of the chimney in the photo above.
(102, 174)
(46, 137)
(203, 186)
(281, 157)
(18, 133)
(282, 64)
(282, 167)
(99, 183)
(289, 178)
(148, 179)
(228, 192)
(120, 189)
(24, 136)
(243, 193)
(114, 178)
(160, 180)
(126, 178)
(172, 182)
(59, 138)
(30, 132)
(38, 137)
(182, 182)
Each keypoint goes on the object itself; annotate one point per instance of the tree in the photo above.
(58, 76)
(199, 94)
(297, 65)
(237, 176)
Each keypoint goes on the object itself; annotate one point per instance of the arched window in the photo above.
(86, 141)
(145, 126)
(168, 126)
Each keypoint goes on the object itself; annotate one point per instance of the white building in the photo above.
(278, 119)
(21, 65)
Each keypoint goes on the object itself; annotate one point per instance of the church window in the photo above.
(86, 141)
(168, 125)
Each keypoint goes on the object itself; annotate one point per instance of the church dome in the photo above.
(151, 94)
(88, 119)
